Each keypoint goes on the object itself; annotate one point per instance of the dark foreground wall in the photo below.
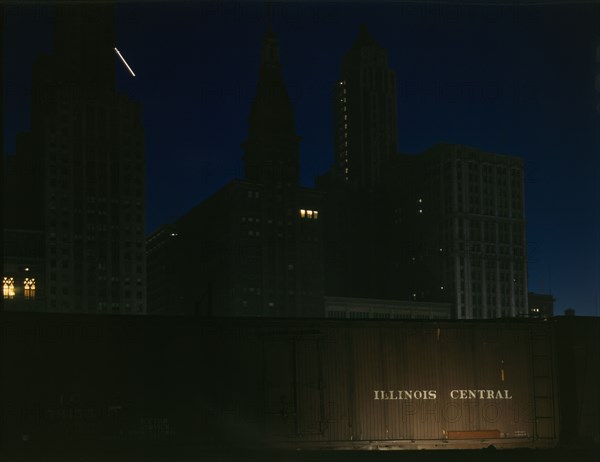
(280, 383)
(578, 354)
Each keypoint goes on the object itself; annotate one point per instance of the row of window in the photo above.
(8, 288)
(309, 214)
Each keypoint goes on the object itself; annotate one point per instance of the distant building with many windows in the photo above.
(459, 213)
(254, 248)
(74, 197)
(446, 225)
(397, 233)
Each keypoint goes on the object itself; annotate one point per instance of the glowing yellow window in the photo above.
(309, 213)
(8, 287)
(29, 285)
(302, 213)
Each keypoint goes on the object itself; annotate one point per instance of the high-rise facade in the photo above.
(87, 146)
(459, 216)
(444, 226)
(364, 114)
(254, 248)
(365, 141)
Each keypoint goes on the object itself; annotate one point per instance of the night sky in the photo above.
(504, 78)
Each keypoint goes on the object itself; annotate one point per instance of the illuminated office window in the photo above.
(8, 287)
(29, 285)
(310, 214)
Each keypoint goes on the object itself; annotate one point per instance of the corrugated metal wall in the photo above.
(289, 381)
(441, 358)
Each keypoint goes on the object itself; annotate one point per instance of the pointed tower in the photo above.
(271, 151)
(254, 248)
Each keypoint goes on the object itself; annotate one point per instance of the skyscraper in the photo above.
(364, 110)
(446, 225)
(461, 232)
(365, 141)
(86, 146)
(254, 248)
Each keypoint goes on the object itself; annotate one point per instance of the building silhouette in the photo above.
(74, 193)
(461, 214)
(444, 226)
(383, 234)
(254, 248)
(364, 114)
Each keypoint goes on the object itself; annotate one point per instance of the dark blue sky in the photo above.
(505, 78)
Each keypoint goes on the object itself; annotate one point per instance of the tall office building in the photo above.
(84, 163)
(364, 114)
(254, 248)
(458, 217)
(365, 141)
(444, 226)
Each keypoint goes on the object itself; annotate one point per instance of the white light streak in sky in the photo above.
(124, 62)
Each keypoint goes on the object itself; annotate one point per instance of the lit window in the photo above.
(29, 285)
(8, 287)
(310, 214)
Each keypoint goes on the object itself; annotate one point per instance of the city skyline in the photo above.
(470, 104)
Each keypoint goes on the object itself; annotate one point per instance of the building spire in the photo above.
(269, 16)
(271, 134)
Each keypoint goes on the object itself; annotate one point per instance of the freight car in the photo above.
(302, 383)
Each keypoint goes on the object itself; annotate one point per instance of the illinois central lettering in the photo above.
(458, 394)
(480, 394)
(405, 394)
